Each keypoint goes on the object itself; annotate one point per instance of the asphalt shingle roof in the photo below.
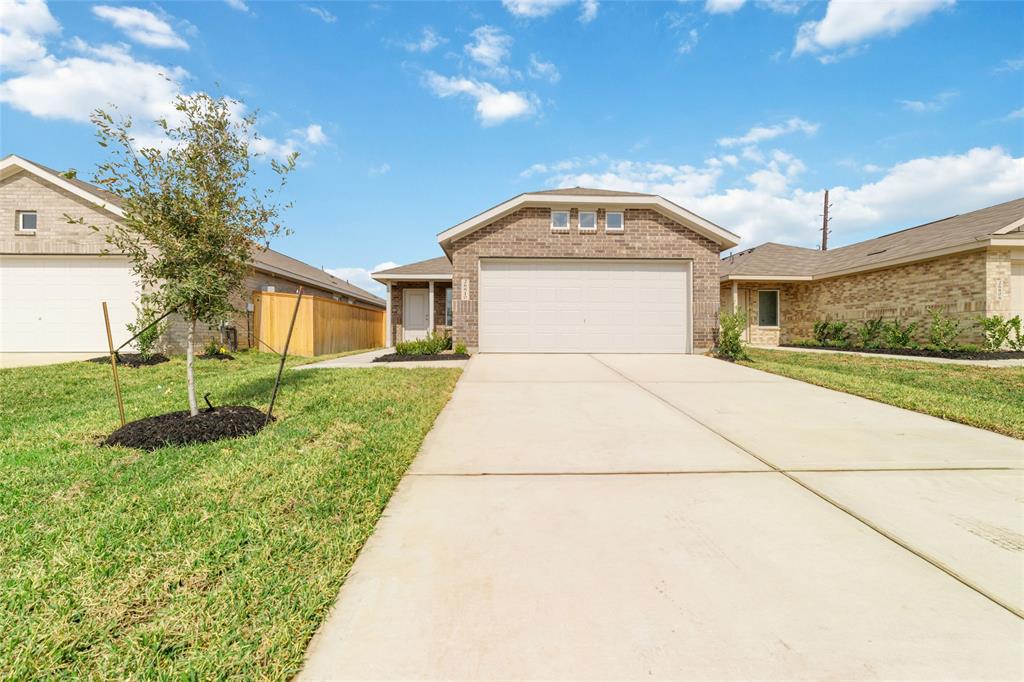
(433, 266)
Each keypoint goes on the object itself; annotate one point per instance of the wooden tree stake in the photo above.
(284, 356)
(113, 363)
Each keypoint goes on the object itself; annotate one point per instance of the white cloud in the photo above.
(536, 9)
(762, 133)
(723, 6)
(937, 103)
(871, 168)
(490, 48)
(782, 6)
(314, 134)
(24, 24)
(1015, 115)
(377, 171)
(768, 204)
(239, 5)
(493, 106)
(141, 25)
(1010, 65)
(686, 46)
(543, 70)
(321, 13)
(361, 276)
(427, 42)
(849, 23)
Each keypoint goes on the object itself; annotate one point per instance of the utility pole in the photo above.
(824, 224)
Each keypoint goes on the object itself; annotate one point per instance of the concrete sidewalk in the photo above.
(677, 517)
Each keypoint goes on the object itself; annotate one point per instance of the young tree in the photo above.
(191, 218)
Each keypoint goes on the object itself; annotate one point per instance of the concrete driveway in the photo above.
(677, 517)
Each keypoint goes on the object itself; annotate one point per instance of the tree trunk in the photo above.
(190, 361)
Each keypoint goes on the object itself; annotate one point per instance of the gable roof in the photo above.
(961, 232)
(584, 196)
(264, 259)
(432, 268)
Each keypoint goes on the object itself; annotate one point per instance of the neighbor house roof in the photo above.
(588, 197)
(434, 268)
(264, 259)
(977, 229)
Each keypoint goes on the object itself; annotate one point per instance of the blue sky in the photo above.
(412, 117)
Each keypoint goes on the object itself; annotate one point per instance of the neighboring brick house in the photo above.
(55, 274)
(967, 265)
(568, 270)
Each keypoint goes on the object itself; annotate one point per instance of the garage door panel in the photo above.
(584, 306)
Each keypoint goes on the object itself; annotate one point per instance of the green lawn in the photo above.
(986, 397)
(204, 562)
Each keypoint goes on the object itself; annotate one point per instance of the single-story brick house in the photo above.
(567, 270)
(53, 274)
(968, 265)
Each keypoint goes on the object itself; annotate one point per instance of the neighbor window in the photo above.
(613, 221)
(768, 308)
(559, 220)
(448, 307)
(588, 221)
(27, 221)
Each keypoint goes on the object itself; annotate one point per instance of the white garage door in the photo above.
(52, 304)
(584, 306)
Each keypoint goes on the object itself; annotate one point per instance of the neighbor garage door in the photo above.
(53, 303)
(584, 306)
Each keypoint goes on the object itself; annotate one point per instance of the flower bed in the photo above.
(402, 357)
(920, 352)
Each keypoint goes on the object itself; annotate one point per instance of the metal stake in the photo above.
(113, 363)
(284, 356)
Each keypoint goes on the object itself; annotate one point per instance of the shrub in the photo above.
(730, 338)
(1015, 338)
(996, 331)
(804, 343)
(943, 330)
(431, 345)
(869, 333)
(898, 335)
(144, 316)
(460, 348)
(831, 333)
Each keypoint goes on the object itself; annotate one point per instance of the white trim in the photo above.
(1015, 225)
(615, 230)
(430, 313)
(383, 278)
(405, 306)
(20, 227)
(778, 310)
(13, 161)
(388, 342)
(766, 278)
(735, 296)
(568, 220)
(579, 221)
(1008, 241)
(720, 235)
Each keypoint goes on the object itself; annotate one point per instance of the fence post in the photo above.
(113, 363)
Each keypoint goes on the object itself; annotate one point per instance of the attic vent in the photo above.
(875, 253)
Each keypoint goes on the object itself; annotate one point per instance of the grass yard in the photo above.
(986, 397)
(202, 562)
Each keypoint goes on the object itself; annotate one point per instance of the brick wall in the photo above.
(527, 233)
(963, 285)
(397, 288)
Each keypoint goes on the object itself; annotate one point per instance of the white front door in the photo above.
(415, 314)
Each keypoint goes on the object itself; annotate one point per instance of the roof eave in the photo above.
(14, 160)
(384, 278)
(288, 274)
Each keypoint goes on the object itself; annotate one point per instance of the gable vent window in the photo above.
(559, 221)
(613, 221)
(588, 221)
(27, 221)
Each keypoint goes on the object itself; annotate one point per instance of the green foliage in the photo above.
(832, 333)
(1016, 336)
(460, 348)
(943, 330)
(869, 333)
(730, 336)
(998, 332)
(145, 314)
(895, 334)
(804, 343)
(431, 345)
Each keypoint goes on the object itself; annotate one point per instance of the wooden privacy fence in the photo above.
(323, 325)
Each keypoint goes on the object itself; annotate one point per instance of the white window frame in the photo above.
(21, 220)
(568, 221)
(449, 306)
(580, 221)
(778, 309)
(622, 222)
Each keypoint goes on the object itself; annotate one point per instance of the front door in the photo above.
(416, 315)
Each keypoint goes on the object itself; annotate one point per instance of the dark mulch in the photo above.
(132, 359)
(216, 356)
(178, 428)
(926, 353)
(395, 357)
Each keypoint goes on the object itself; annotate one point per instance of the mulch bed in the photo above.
(925, 353)
(178, 428)
(395, 357)
(132, 359)
(216, 356)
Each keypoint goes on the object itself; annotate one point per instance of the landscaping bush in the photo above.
(730, 338)
(146, 343)
(998, 332)
(431, 345)
(832, 333)
(1015, 338)
(869, 333)
(898, 335)
(944, 330)
(460, 348)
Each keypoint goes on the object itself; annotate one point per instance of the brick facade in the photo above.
(965, 286)
(397, 330)
(526, 233)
